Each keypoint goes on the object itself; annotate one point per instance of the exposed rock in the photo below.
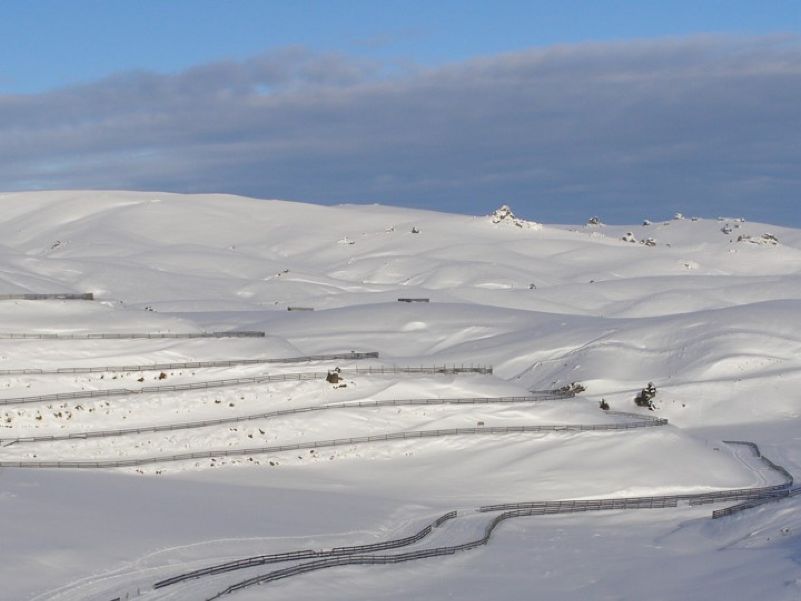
(504, 214)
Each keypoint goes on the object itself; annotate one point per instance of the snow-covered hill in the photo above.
(708, 310)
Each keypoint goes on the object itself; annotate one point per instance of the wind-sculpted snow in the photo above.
(705, 309)
(256, 251)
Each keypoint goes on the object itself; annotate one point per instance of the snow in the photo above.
(709, 312)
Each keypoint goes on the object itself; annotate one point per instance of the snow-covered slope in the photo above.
(708, 310)
(192, 252)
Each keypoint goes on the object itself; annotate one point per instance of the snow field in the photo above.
(709, 313)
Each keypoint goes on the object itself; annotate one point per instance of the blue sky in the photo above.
(454, 105)
(50, 43)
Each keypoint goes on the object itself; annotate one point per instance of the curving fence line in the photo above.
(376, 559)
(55, 296)
(554, 395)
(336, 442)
(311, 375)
(128, 335)
(751, 503)
(541, 508)
(258, 560)
(757, 453)
(351, 356)
(546, 509)
(735, 494)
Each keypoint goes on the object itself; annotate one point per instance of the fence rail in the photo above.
(311, 375)
(747, 504)
(257, 560)
(351, 356)
(555, 395)
(757, 453)
(735, 494)
(542, 508)
(50, 296)
(355, 555)
(129, 335)
(751, 502)
(336, 442)
(645, 502)
(311, 566)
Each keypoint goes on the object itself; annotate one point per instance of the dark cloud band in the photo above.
(625, 130)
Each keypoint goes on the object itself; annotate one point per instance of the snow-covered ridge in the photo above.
(705, 309)
(238, 253)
